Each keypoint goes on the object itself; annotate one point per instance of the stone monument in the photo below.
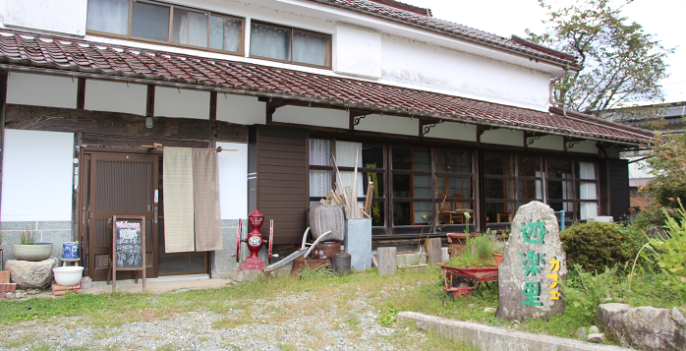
(534, 263)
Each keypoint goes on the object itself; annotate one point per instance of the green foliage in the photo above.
(389, 318)
(620, 60)
(26, 237)
(587, 290)
(671, 251)
(477, 252)
(668, 165)
(596, 245)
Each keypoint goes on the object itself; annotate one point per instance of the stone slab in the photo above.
(488, 338)
(18, 225)
(358, 242)
(48, 225)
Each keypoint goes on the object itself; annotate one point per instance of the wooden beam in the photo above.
(213, 106)
(81, 94)
(150, 101)
(3, 110)
(120, 124)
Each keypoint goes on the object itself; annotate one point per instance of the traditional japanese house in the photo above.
(447, 119)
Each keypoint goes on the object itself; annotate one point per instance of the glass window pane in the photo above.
(499, 212)
(372, 156)
(320, 152)
(454, 212)
(456, 161)
(530, 190)
(559, 168)
(271, 42)
(111, 16)
(310, 48)
(345, 153)
(498, 164)
(348, 178)
(585, 170)
(189, 27)
(225, 33)
(587, 191)
(411, 186)
(412, 213)
(378, 213)
(454, 187)
(320, 183)
(560, 190)
(377, 180)
(411, 159)
(530, 166)
(150, 21)
(588, 210)
(499, 188)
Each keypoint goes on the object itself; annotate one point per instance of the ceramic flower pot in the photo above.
(68, 275)
(498, 259)
(35, 252)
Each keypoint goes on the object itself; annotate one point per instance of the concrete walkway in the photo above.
(161, 285)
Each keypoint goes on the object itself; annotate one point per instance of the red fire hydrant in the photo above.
(254, 241)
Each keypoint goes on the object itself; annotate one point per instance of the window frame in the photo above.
(128, 36)
(329, 46)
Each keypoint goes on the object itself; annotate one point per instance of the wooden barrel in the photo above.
(327, 217)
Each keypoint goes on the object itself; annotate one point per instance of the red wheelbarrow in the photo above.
(459, 282)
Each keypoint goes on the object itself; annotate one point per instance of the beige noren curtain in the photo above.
(192, 214)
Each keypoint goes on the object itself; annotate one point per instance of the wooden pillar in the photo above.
(150, 101)
(433, 251)
(387, 260)
(213, 106)
(81, 94)
(3, 105)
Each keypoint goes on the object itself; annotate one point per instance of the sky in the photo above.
(661, 18)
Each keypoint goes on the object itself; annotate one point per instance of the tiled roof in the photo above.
(453, 29)
(60, 55)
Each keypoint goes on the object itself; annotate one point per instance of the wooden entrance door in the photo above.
(117, 183)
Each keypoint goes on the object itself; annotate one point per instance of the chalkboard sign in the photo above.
(128, 245)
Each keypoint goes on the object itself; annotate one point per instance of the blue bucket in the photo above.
(70, 250)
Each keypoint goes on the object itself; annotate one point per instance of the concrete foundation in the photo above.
(55, 232)
(487, 338)
(358, 242)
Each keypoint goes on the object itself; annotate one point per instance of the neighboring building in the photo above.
(667, 118)
(440, 112)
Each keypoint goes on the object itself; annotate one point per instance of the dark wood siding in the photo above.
(279, 156)
(618, 179)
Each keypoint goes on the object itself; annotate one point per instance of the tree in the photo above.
(668, 166)
(621, 62)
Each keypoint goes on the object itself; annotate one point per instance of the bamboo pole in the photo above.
(345, 196)
(354, 206)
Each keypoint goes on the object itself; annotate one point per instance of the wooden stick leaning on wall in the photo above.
(353, 205)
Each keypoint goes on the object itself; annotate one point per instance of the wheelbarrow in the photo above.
(459, 282)
(301, 252)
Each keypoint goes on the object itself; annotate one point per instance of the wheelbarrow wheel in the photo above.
(460, 282)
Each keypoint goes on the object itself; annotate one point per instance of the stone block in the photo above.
(28, 274)
(358, 242)
(51, 225)
(18, 225)
(644, 328)
(387, 262)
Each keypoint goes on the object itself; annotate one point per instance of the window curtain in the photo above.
(111, 16)
(310, 48)
(192, 213)
(224, 33)
(539, 189)
(320, 152)
(272, 42)
(189, 28)
(320, 183)
(587, 191)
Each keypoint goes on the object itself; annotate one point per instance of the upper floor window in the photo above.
(165, 23)
(290, 45)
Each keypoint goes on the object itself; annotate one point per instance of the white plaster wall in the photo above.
(549, 142)
(188, 103)
(63, 16)
(38, 176)
(115, 97)
(503, 137)
(357, 51)
(312, 116)
(434, 67)
(41, 90)
(233, 180)
(240, 109)
(389, 124)
(453, 131)
(586, 146)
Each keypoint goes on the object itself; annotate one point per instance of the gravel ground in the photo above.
(287, 322)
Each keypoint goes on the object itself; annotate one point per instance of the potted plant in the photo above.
(29, 250)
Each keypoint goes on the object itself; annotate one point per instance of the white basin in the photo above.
(70, 275)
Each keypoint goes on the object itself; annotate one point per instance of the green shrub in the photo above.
(671, 251)
(596, 245)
